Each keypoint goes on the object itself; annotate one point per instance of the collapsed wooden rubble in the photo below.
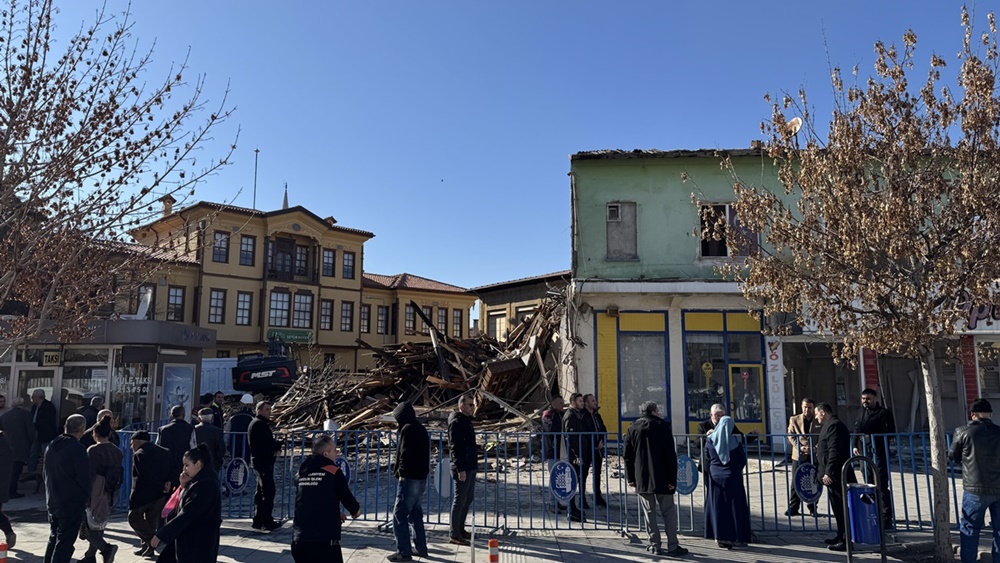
(513, 379)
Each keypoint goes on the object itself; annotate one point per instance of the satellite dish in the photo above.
(793, 125)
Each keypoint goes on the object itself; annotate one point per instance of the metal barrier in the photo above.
(512, 484)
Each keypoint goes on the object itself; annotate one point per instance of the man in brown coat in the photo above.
(802, 430)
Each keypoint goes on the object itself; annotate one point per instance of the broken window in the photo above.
(718, 223)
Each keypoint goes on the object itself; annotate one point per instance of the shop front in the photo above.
(141, 368)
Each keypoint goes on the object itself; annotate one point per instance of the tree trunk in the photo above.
(939, 459)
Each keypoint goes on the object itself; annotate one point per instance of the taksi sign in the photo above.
(51, 358)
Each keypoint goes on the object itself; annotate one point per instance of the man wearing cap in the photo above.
(151, 481)
(977, 446)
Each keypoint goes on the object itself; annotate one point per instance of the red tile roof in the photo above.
(408, 281)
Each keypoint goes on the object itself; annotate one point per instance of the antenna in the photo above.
(256, 153)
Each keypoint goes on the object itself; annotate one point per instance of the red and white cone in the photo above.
(494, 551)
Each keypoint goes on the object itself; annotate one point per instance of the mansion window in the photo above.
(326, 314)
(175, 303)
(365, 320)
(302, 311)
(410, 320)
(424, 329)
(347, 316)
(301, 260)
(248, 248)
(442, 324)
(220, 247)
(280, 303)
(329, 262)
(244, 307)
(217, 306)
(348, 271)
(456, 323)
(382, 321)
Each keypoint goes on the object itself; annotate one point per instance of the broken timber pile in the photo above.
(512, 379)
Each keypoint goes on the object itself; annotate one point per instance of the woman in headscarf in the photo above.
(727, 514)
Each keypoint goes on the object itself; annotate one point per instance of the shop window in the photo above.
(622, 243)
(706, 373)
(643, 361)
(129, 391)
(99, 355)
(80, 384)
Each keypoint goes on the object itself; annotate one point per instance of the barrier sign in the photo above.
(344, 467)
(807, 486)
(563, 481)
(237, 475)
(687, 475)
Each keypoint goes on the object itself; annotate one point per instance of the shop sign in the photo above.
(291, 336)
(51, 358)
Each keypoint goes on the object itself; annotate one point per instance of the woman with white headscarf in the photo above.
(727, 514)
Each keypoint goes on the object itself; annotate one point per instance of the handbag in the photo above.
(172, 502)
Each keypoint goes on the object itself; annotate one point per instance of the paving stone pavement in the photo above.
(364, 542)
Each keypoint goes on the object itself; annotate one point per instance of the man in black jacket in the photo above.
(464, 463)
(579, 431)
(977, 446)
(320, 490)
(151, 481)
(177, 437)
(206, 432)
(597, 423)
(411, 466)
(651, 469)
(238, 425)
(43, 416)
(67, 489)
(263, 454)
(872, 426)
(21, 433)
(217, 401)
(833, 449)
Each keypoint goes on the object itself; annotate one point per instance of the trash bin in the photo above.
(862, 510)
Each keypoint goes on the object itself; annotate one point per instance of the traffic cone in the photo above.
(494, 551)
(3, 552)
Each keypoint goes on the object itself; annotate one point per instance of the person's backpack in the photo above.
(113, 479)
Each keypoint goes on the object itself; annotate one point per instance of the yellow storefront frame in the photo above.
(748, 426)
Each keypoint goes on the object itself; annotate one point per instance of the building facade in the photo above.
(504, 305)
(659, 323)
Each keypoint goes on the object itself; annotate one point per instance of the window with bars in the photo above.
(217, 306)
(409, 320)
(302, 310)
(220, 247)
(382, 320)
(244, 307)
(301, 260)
(280, 303)
(175, 303)
(456, 323)
(365, 319)
(348, 271)
(443, 320)
(329, 262)
(248, 250)
(326, 314)
(347, 316)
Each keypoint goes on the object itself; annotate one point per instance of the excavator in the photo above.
(257, 373)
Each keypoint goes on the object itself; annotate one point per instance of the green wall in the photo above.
(667, 221)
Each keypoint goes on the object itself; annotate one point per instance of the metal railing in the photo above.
(512, 487)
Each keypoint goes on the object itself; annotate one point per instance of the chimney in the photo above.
(756, 144)
(168, 202)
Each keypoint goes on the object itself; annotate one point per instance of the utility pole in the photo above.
(256, 154)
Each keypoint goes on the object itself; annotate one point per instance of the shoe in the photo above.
(677, 552)
(725, 544)
(11, 540)
(812, 509)
(741, 544)
(87, 559)
(791, 512)
(423, 553)
(272, 525)
(16, 495)
(466, 535)
(142, 549)
(257, 526)
(108, 555)
(400, 557)
(831, 541)
(841, 546)
(601, 502)
(452, 540)
(654, 549)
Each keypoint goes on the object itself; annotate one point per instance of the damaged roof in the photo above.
(619, 154)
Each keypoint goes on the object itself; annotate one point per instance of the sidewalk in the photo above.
(363, 542)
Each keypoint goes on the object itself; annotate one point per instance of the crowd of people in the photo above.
(175, 502)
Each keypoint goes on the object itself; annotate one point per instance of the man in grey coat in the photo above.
(16, 423)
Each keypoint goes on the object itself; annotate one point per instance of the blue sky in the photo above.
(446, 127)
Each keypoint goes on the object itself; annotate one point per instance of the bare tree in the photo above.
(886, 228)
(88, 145)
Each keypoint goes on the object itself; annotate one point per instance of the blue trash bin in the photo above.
(862, 510)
